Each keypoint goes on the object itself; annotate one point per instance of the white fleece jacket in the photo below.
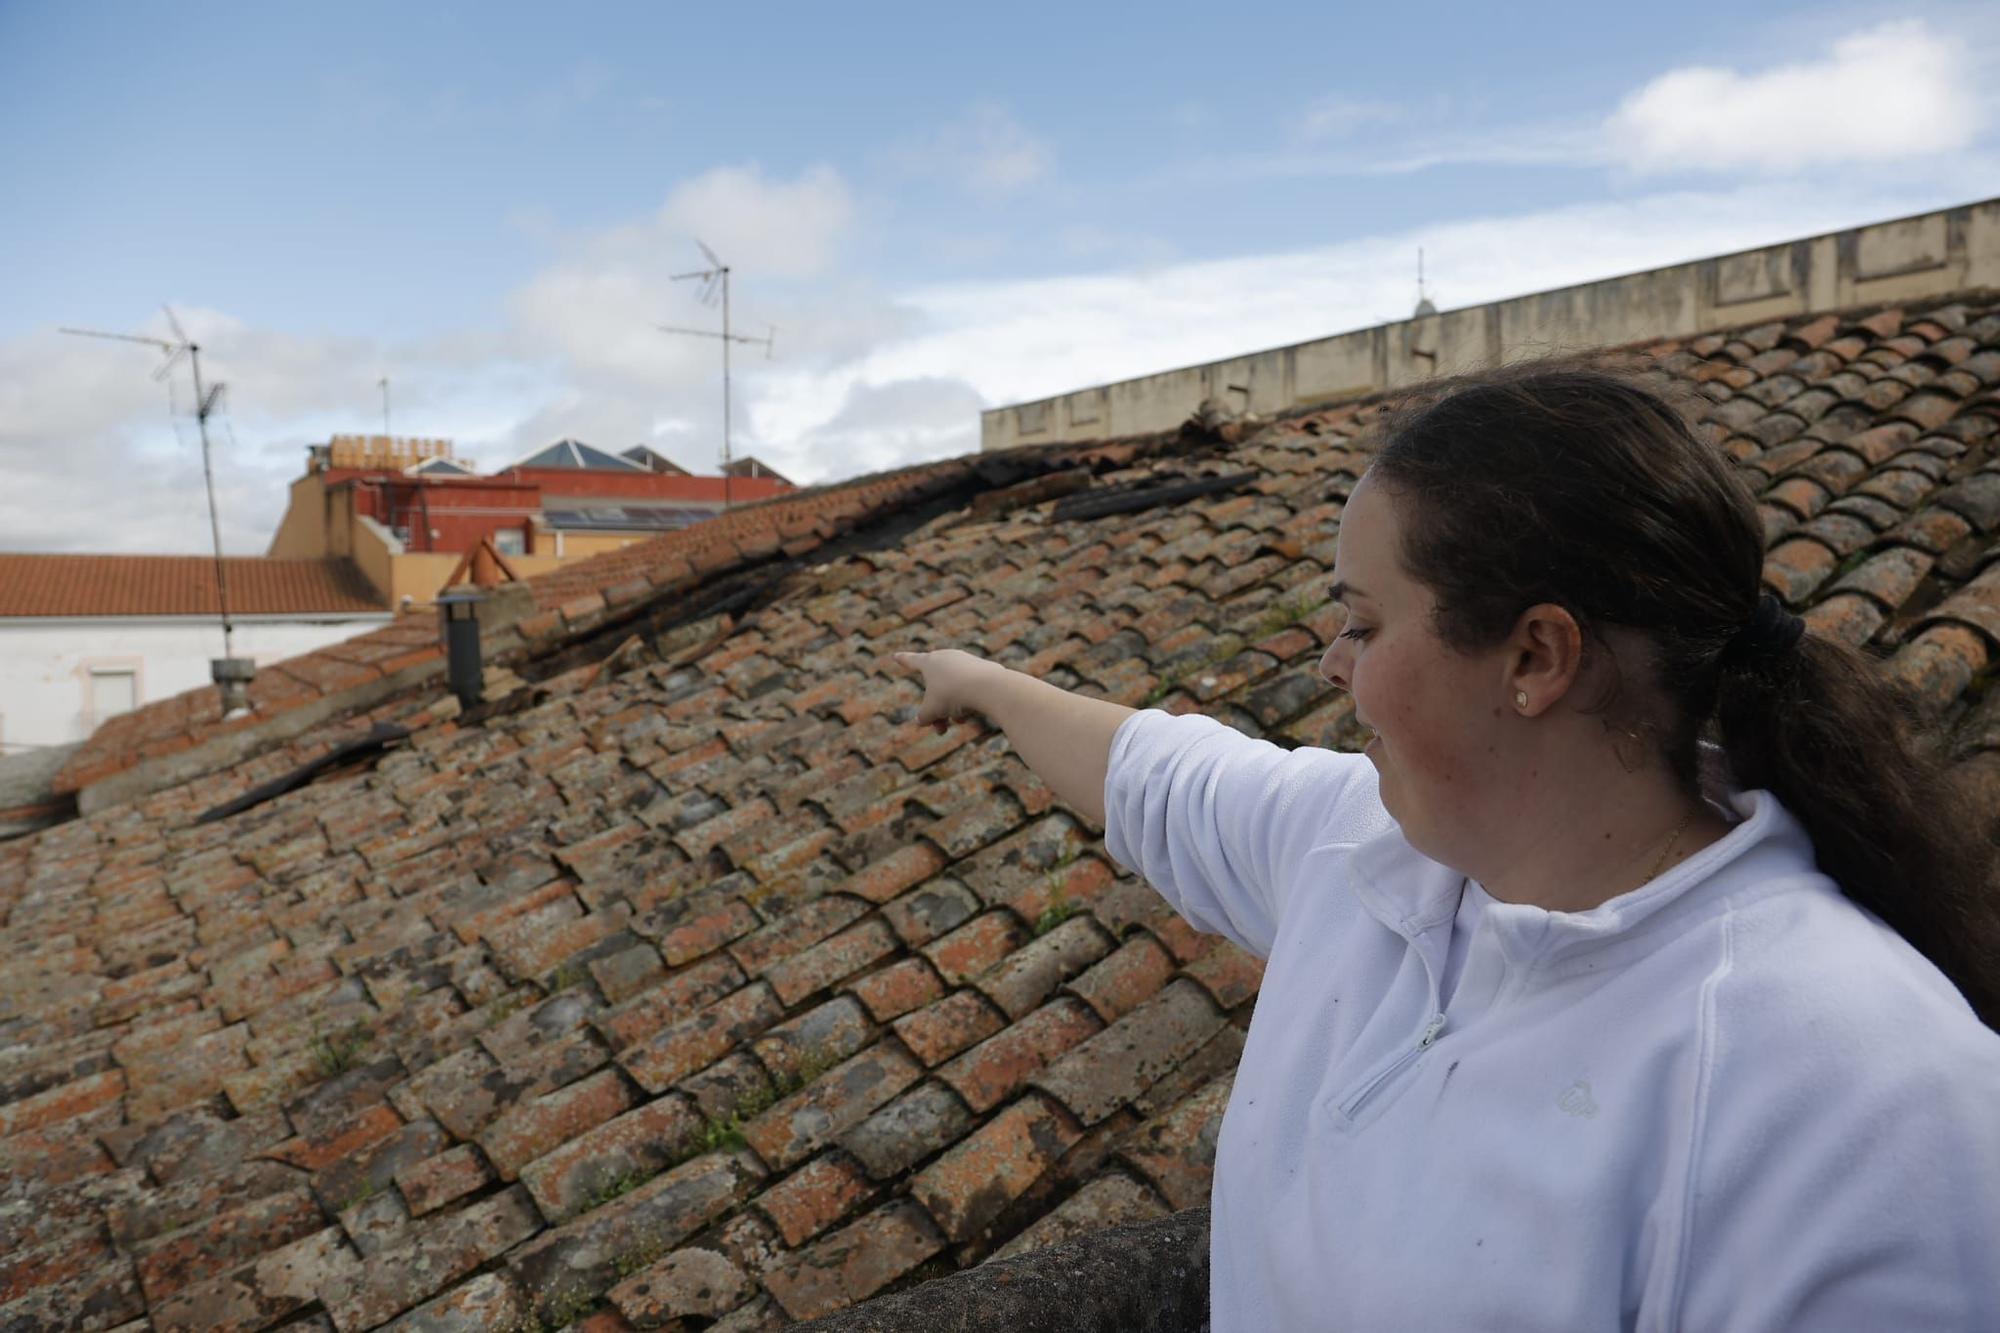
(1727, 1100)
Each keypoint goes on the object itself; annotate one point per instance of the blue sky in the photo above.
(940, 209)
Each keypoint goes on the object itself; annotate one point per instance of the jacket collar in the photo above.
(1415, 896)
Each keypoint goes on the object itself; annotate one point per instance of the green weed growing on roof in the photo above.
(571, 1306)
(1163, 687)
(615, 1188)
(363, 1192)
(642, 1254)
(1221, 651)
(1283, 612)
(1061, 908)
(725, 1131)
(338, 1052)
(500, 1010)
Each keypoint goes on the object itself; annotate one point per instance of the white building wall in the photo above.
(46, 665)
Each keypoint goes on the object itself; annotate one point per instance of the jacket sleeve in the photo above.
(1219, 822)
(1850, 1190)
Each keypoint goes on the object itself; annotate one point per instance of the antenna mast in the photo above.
(228, 670)
(385, 408)
(715, 278)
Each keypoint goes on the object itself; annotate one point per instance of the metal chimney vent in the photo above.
(232, 675)
(458, 623)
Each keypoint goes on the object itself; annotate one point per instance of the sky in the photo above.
(930, 210)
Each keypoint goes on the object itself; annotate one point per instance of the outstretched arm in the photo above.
(1065, 738)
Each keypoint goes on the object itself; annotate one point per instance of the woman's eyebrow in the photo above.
(1342, 591)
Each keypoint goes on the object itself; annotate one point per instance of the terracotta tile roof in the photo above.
(700, 984)
(572, 600)
(179, 585)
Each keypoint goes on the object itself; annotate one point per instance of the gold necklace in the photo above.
(1673, 838)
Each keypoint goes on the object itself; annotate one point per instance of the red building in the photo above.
(385, 501)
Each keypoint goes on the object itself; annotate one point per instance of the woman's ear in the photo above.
(1544, 655)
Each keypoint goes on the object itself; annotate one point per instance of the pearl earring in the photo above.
(1520, 698)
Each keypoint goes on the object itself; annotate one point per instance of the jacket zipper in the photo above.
(1352, 1106)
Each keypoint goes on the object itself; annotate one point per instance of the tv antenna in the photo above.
(228, 670)
(715, 279)
(385, 405)
(1424, 306)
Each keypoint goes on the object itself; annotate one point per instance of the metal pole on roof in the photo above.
(727, 479)
(714, 280)
(205, 401)
(205, 404)
(231, 673)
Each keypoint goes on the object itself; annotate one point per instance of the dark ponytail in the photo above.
(1571, 485)
(1838, 743)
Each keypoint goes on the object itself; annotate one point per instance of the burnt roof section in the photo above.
(691, 981)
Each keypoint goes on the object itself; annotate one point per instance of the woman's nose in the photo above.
(1333, 665)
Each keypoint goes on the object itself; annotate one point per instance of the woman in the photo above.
(1571, 1019)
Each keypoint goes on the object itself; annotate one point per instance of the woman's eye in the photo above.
(1357, 633)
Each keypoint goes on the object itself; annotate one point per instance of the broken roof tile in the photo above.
(976, 946)
(996, 1068)
(1889, 576)
(945, 1027)
(831, 1103)
(1120, 1062)
(895, 990)
(534, 1127)
(856, 1261)
(966, 1189)
(444, 1178)
(581, 1259)
(431, 1259)
(666, 1057)
(1940, 662)
(1175, 1152)
(693, 1282)
(596, 1163)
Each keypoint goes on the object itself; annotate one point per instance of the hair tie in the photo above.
(1772, 632)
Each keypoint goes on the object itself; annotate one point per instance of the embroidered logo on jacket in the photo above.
(1576, 1100)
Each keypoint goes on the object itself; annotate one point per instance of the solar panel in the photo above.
(622, 518)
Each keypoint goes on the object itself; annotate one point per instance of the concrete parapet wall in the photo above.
(1906, 259)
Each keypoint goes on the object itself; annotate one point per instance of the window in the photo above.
(510, 541)
(113, 690)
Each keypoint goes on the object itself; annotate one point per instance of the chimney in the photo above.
(458, 622)
(232, 675)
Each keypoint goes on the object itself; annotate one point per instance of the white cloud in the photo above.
(1335, 116)
(597, 308)
(986, 151)
(1888, 93)
(884, 425)
(1893, 95)
(99, 456)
